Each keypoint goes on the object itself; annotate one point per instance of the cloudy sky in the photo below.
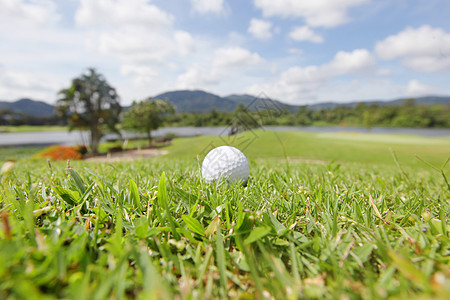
(298, 51)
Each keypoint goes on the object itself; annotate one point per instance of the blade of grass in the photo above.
(163, 200)
(376, 210)
(400, 166)
(221, 263)
(194, 225)
(134, 195)
(408, 270)
(79, 183)
(441, 170)
(251, 262)
(256, 234)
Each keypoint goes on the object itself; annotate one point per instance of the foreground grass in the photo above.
(153, 229)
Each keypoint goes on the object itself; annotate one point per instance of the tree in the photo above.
(146, 116)
(90, 103)
(303, 116)
(242, 120)
(367, 119)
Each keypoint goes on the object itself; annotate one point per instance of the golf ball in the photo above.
(225, 162)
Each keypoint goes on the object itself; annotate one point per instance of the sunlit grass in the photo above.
(339, 147)
(31, 128)
(14, 153)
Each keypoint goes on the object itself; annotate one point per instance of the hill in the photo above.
(255, 103)
(427, 100)
(196, 101)
(29, 107)
(201, 101)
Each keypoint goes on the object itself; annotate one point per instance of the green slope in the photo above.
(327, 147)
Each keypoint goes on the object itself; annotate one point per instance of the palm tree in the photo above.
(90, 103)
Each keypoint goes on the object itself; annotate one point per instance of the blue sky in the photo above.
(297, 51)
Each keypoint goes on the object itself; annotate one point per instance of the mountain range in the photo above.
(201, 101)
(29, 107)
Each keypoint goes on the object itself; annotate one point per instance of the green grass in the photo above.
(22, 152)
(129, 144)
(153, 229)
(30, 128)
(339, 147)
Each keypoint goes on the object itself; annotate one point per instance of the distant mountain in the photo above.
(201, 101)
(427, 100)
(196, 101)
(29, 107)
(255, 103)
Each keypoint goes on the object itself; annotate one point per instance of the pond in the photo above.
(81, 137)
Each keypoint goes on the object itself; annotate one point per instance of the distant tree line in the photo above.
(408, 114)
(8, 117)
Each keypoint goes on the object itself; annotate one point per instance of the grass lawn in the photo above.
(339, 147)
(30, 128)
(337, 219)
(21, 152)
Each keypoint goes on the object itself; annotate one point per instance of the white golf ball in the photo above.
(225, 162)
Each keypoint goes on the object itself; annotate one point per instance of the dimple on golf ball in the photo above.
(225, 162)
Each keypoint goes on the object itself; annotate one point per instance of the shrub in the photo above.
(114, 149)
(61, 153)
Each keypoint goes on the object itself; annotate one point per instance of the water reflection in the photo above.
(82, 137)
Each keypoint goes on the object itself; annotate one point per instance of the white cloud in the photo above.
(184, 42)
(357, 61)
(295, 51)
(133, 42)
(17, 85)
(33, 13)
(324, 13)
(197, 77)
(235, 38)
(121, 13)
(371, 88)
(139, 45)
(260, 29)
(384, 72)
(220, 69)
(208, 6)
(234, 57)
(304, 82)
(425, 49)
(140, 35)
(304, 33)
(416, 88)
(141, 74)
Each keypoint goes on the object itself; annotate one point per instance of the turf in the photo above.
(366, 149)
(153, 229)
(14, 153)
(31, 128)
